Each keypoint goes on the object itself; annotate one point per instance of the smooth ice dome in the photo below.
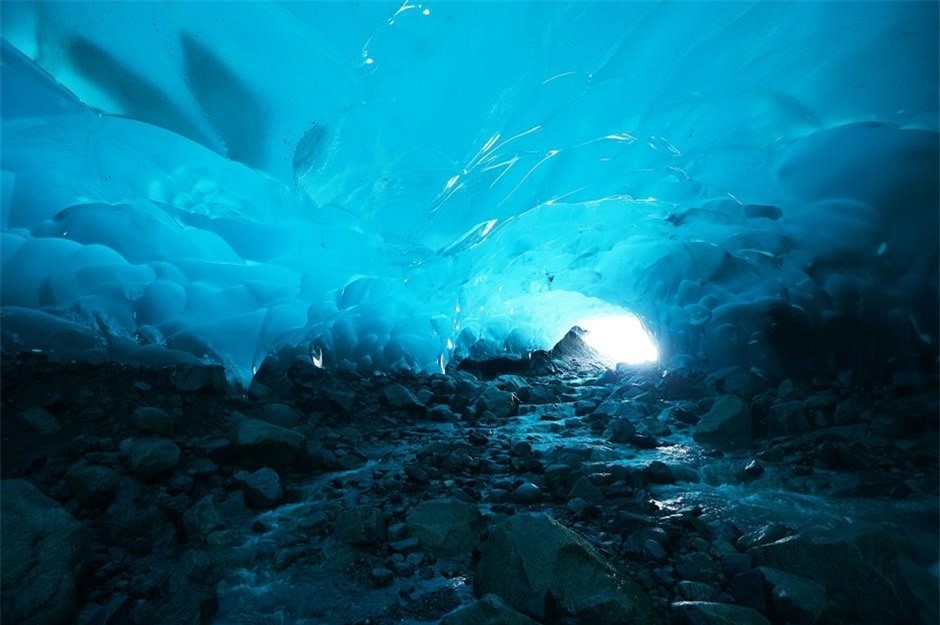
(378, 185)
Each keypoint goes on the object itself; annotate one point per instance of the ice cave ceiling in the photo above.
(401, 184)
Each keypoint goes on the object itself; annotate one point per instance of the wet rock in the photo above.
(262, 487)
(446, 526)
(40, 421)
(753, 469)
(259, 442)
(152, 420)
(788, 418)
(696, 591)
(400, 398)
(149, 457)
(203, 518)
(705, 613)
(381, 576)
(795, 599)
(537, 565)
(585, 490)
(621, 431)
(726, 425)
(42, 556)
(502, 404)
(490, 610)
(92, 485)
(361, 525)
(527, 493)
(188, 596)
(769, 533)
(860, 574)
(698, 567)
(658, 472)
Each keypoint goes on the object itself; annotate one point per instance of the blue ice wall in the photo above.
(397, 184)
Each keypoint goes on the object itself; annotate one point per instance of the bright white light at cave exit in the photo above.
(620, 338)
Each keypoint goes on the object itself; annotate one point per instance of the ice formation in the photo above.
(386, 185)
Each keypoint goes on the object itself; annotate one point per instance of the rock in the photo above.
(262, 488)
(490, 610)
(42, 556)
(362, 525)
(658, 472)
(502, 404)
(698, 567)
(203, 518)
(726, 425)
(621, 431)
(196, 378)
(259, 442)
(281, 414)
(400, 398)
(149, 457)
(153, 421)
(795, 599)
(92, 485)
(381, 576)
(860, 574)
(446, 526)
(705, 613)
(696, 591)
(537, 565)
(527, 493)
(220, 538)
(788, 418)
(39, 420)
(586, 490)
(754, 469)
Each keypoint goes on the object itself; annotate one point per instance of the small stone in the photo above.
(153, 420)
(528, 493)
(754, 469)
(219, 538)
(40, 420)
(362, 525)
(381, 576)
(92, 485)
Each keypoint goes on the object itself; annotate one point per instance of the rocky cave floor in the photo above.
(165, 496)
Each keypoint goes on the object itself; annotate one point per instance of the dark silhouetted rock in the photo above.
(490, 610)
(149, 457)
(362, 525)
(92, 485)
(704, 613)
(726, 425)
(537, 565)
(153, 421)
(446, 526)
(259, 442)
(42, 554)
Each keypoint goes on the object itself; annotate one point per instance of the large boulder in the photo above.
(490, 610)
(42, 554)
(795, 599)
(446, 526)
(541, 568)
(726, 425)
(862, 576)
(262, 488)
(705, 613)
(260, 443)
(153, 420)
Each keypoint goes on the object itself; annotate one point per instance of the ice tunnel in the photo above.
(403, 185)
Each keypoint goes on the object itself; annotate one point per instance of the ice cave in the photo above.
(500, 312)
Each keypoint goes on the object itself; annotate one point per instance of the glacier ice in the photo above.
(396, 185)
